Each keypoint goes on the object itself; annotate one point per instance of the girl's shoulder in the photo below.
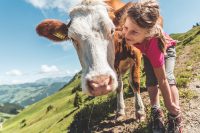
(170, 41)
(153, 41)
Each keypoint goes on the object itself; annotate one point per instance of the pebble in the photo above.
(197, 86)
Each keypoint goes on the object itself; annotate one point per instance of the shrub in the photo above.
(49, 108)
(77, 88)
(77, 100)
(182, 82)
(187, 94)
(23, 123)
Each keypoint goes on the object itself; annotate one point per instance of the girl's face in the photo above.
(133, 33)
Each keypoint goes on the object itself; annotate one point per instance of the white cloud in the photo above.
(55, 71)
(62, 5)
(14, 72)
(45, 69)
(71, 72)
(16, 82)
(66, 45)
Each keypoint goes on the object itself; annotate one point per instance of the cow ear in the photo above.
(53, 29)
(121, 13)
(115, 4)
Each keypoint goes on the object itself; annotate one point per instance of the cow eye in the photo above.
(112, 31)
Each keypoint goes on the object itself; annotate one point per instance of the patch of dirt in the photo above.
(191, 110)
(128, 124)
(184, 56)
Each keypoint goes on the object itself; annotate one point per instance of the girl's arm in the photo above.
(165, 90)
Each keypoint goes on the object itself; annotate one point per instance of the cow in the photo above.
(95, 30)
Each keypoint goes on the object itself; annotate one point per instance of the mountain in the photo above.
(58, 114)
(49, 81)
(29, 93)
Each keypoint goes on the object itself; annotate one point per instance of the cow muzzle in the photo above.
(100, 85)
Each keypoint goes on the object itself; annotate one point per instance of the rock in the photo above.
(189, 68)
(115, 130)
(197, 86)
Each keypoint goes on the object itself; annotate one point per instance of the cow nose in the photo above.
(100, 80)
(100, 85)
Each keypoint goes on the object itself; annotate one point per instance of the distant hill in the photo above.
(29, 93)
(57, 114)
(10, 108)
(49, 81)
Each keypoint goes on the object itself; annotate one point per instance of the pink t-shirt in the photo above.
(153, 52)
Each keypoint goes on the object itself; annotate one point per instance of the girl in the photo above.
(142, 30)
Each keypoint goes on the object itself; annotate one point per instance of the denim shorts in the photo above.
(170, 59)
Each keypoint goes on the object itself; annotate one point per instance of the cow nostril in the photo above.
(100, 81)
(103, 79)
(100, 85)
(110, 81)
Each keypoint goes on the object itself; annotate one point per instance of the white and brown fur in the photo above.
(104, 53)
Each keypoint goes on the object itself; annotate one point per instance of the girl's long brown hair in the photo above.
(146, 15)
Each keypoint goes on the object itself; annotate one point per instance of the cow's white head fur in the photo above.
(90, 29)
(91, 32)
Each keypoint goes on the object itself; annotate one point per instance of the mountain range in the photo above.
(29, 93)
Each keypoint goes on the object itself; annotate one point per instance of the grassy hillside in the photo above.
(57, 114)
(188, 56)
(44, 115)
(4, 117)
(53, 114)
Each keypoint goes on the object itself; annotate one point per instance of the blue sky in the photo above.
(25, 57)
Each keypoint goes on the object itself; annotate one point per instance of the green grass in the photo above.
(187, 94)
(187, 37)
(185, 73)
(183, 78)
(4, 117)
(36, 118)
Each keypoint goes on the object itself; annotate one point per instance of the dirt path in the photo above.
(191, 115)
(128, 124)
(191, 110)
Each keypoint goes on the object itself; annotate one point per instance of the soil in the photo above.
(190, 111)
(190, 108)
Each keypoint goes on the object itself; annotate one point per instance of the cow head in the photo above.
(90, 29)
